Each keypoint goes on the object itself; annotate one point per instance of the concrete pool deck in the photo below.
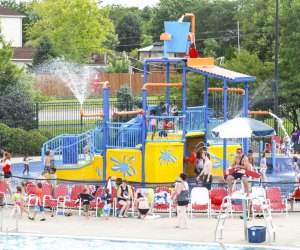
(200, 228)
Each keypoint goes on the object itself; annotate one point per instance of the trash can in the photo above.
(257, 234)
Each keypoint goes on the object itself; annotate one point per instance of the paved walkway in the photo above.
(200, 228)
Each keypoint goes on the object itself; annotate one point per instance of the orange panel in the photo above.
(194, 62)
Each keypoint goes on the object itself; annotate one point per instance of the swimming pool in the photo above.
(21, 241)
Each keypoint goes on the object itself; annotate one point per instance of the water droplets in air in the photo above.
(77, 77)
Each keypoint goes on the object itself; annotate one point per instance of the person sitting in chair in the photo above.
(295, 196)
(240, 163)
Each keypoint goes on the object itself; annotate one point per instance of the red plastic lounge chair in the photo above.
(217, 195)
(70, 202)
(3, 190)
(97, 203)
(58, 199)
(275, 200)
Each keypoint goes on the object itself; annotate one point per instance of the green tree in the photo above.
(211, 48)
(118, 65)
(257, 25)
(45, 51)
(129, 32)
(9, 72)
(77, 28)
(289, 70)
(230, 53)
(16, 107)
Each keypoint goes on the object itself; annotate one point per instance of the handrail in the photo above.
(258, 112)
(235, 90)
(134, 112)
(161, 85)
(82, 114)
(105, 84)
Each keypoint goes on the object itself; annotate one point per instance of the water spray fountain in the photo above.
(75, 76)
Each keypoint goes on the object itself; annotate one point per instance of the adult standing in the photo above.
(6, 164)
(296, 138)
(182, 194)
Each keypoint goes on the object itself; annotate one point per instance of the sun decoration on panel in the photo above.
(167, 157)
(124, 166)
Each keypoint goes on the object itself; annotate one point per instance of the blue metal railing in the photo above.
(69, 150)
(195, 119)
(124, 135)
(164, 128)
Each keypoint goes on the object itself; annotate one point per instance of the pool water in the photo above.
(19, 241)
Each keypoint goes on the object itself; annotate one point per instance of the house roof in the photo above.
(156, 47)
(9, 12)
(21, 53)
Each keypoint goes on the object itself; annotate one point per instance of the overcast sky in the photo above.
(137, 3)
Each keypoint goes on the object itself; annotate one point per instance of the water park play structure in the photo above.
(156, 146)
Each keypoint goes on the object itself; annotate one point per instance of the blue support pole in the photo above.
(167, 88)
(261, 149)
(105, 127)
(144, 129)
(184, 112)
(225, 103)
(205, 110)
(273, 154)
(245, 113)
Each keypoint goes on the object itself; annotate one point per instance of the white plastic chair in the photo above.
(259, 194)
(200, 200)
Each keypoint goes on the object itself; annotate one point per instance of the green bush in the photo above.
(35, 142)
(4, 136)
(19, 141)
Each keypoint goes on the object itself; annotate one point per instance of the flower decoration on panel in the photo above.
(124, 165)
(167, 157)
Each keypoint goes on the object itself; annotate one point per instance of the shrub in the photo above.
(4, 136)
(17, 140)
(35, 142)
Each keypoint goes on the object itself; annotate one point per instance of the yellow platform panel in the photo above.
(216, 156)
(170, 136)
(93, 171)
(124, 163)
(163, 161)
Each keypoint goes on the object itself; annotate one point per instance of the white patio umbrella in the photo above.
(242, 128)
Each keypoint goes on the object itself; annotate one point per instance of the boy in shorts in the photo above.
(39, 206)
(85, 199)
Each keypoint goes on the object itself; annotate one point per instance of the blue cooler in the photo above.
(257, 234)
